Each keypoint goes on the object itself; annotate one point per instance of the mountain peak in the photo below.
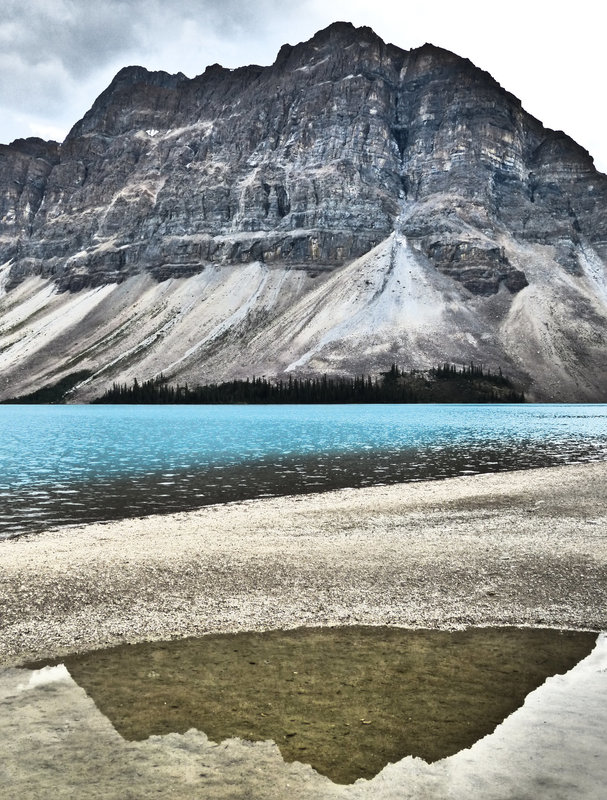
(337, 34)
(351, 205)
(343, 29)
(111, 102)
(132, 75)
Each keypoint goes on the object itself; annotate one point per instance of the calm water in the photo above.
(335, 698)
(69, 464)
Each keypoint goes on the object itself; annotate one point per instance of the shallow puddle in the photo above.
(345, 700)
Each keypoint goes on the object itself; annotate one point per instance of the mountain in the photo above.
(350, 206)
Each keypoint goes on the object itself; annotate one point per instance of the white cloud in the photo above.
(48, 132)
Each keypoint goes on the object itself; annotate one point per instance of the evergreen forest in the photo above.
(444, 384)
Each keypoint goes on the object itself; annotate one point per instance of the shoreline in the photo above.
(524, 548)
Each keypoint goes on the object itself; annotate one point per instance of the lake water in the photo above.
(70, 464)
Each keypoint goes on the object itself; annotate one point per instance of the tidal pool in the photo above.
(345, 700)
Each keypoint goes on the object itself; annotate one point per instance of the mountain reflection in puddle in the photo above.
(345, 700)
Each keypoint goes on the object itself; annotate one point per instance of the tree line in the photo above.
(446, 383)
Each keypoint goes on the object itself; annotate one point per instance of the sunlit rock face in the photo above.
(304, 167)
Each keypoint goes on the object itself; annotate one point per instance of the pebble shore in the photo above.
(517, 548)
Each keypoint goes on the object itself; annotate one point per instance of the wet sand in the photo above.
(519, 548)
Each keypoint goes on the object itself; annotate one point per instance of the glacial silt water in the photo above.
(71, 464)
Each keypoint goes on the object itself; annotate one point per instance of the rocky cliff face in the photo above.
(350, 205)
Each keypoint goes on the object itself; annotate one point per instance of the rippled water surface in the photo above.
(69, 464)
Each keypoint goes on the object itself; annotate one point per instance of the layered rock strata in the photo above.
(343, 146)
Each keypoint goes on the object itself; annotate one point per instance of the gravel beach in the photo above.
(519, 548)
(515, 548)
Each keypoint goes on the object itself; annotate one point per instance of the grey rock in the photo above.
(309, 164)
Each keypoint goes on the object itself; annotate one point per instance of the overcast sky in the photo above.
(56, 56)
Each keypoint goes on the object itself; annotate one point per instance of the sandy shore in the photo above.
(524, 548)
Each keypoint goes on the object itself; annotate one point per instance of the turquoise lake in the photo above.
(70, 464)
